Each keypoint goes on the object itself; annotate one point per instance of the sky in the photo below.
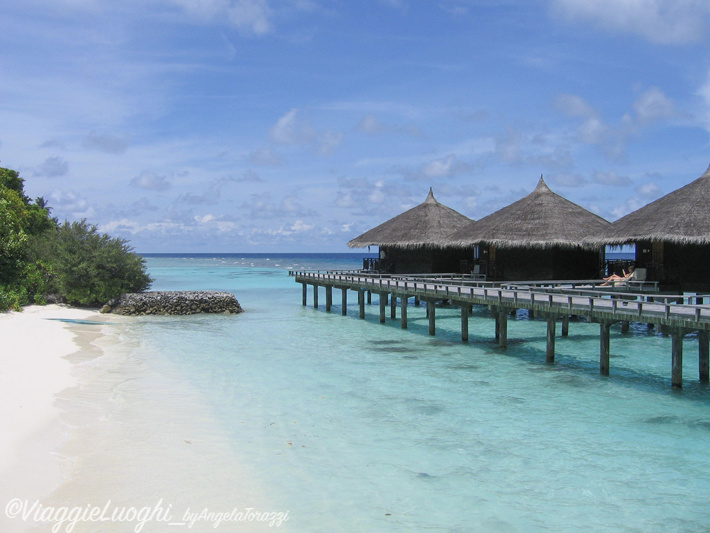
(297, 125)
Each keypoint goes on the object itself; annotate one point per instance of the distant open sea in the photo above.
(353, 426)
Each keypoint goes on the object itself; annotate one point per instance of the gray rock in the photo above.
(173, 303)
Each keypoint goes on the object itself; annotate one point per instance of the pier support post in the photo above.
(404, 311)
(677, 357)
(464, 323)
(431, 311)
(531, 314)
(315, 296)
(369, 297)
(393, 306)
(328, 297)
(624, 326)
(416, 301)
(703, 354)
(361, 302)
(551, 323)
(565, 326)
(502, 328)
(305, 294)
(345, 301)
(604, 327)
(383, 304)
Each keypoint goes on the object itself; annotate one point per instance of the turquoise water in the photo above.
(354, 426)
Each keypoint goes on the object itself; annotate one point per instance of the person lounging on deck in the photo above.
(615, 278)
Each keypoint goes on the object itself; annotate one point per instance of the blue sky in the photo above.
(296, 125)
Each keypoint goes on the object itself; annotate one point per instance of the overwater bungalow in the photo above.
(539, 237)
(672, 237)
(409, 242)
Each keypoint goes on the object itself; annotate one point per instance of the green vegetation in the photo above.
(72, 261)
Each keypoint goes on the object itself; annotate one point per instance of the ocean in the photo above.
(308, 421)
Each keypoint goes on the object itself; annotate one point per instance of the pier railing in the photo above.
(578, 297)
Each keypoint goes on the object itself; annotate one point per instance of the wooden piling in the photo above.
(383, 304)
(369, 297)
(345, 301)
(404, 312)
(431, 310)
(551, 324)
(315, 296)
(677, 357)
(305, 294)
(361, 302)
(625, 326)
(604, 328)
(464, 323)
(502, 328)
(565, 326)
(703, 353)
(328, 297)
(393, 306)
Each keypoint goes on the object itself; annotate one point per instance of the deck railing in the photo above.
(566, 297)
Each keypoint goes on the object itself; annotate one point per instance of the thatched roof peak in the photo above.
(541, 219)
(681, 217)
(427, 224)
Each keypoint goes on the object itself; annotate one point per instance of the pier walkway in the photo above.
(555, 301)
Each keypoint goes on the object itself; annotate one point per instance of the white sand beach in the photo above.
(62, 401)
(35, 368)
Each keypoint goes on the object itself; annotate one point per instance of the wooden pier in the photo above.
(554, 301)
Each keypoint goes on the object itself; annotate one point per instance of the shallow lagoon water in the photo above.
(350, 425)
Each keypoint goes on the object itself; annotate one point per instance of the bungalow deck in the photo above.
(556, 301)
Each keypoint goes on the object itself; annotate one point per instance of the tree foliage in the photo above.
(89, 267)
(13, 237)
(73, 260)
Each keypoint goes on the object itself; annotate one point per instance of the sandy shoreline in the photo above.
(88, 424)
(37, 364)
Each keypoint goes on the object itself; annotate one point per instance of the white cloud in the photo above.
(69, 205)
(53, 167)
(151, 182)
(653, 105)
(659, 21)
(593, 129)
(247, 16)
(649, 190)
(204, 219)
(329, 141)
(371, 125)
(377, 195)
(650, 106)
(444, 167)
(575, 106)
(293, 128)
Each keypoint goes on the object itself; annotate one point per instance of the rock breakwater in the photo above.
(173, 303)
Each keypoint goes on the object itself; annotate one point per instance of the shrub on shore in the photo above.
(72, 261)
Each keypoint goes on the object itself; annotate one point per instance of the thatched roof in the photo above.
(424, 225)
(542, 219)
(682, 217)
